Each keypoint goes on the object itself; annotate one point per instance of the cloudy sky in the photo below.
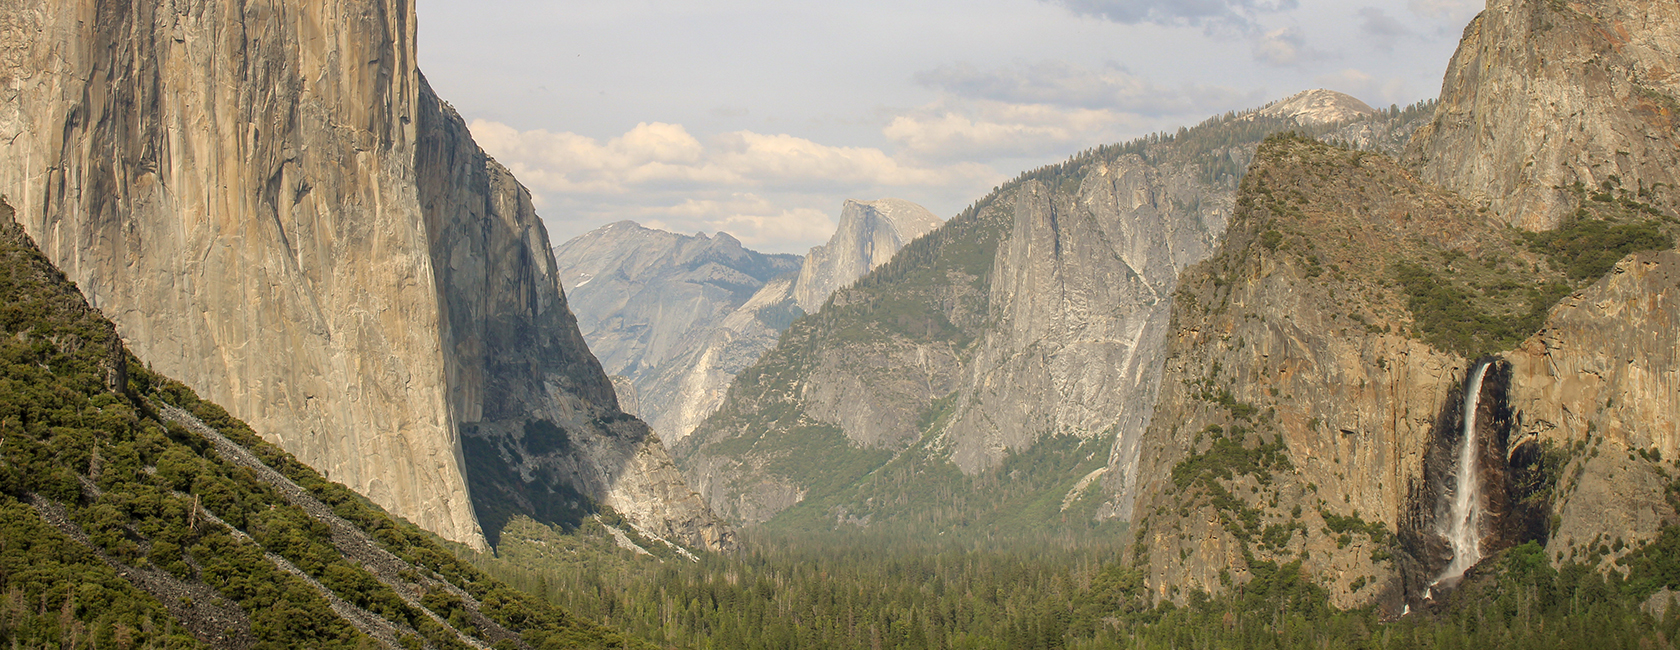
(758, 117)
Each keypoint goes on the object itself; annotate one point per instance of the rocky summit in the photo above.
(1318, 106)
(295, 226)
(870, 233)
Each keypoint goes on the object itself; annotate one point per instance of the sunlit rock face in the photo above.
(1543, 95)
(1605, 374)
(273, 207)
(869, 233)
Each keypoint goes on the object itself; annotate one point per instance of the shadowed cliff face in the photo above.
(539, 418)
(271, 206)
(1513, 493)
(1543, 95)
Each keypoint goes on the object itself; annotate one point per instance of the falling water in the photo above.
(1464, 527)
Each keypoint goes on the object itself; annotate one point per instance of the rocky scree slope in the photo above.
(1545, 98)
(670, 314)
(1038, 315)
(177, 526)
(272, 205)
(1310, 407)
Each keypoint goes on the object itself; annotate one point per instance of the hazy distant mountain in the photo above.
(679, 315)
(664, 311)
(1317, 106)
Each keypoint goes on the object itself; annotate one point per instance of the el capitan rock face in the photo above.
(1543, 95)
(272, 206)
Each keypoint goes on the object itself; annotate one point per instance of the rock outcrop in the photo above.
(1315, 413)
(1298, 393)
(1546, 100)
(1080, 300)
(870, 232)
(1603, 380)
(273, 207)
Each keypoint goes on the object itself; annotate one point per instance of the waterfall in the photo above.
(1464, 530)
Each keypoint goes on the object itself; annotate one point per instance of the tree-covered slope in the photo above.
(133, 514)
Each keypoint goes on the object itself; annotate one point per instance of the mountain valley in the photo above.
(288, 360)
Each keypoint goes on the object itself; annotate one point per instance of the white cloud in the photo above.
(1239, 13)
(768, 190)
(1044, 108)
(666, 156)
(1058, 83)
(753, 219)
(955, 129)
(1456, 11)
(1362, 84)
(1284, 46)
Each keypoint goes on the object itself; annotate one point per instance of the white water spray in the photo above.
(1464, 528)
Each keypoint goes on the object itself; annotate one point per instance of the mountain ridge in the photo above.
(900, 355)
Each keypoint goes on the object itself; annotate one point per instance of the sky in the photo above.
(760, 117)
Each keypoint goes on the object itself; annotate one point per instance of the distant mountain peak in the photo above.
(1318, 106)
(870, 232)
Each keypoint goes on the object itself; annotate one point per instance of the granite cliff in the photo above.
(1312, 402)
(175, 525)
(1024, 332)
(1375, 354)
(1545, 99)
(272, 206)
